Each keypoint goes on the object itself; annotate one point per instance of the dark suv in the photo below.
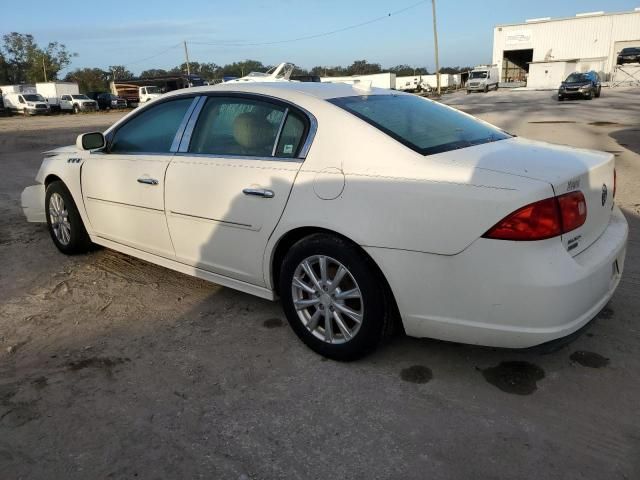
(107, 101)
(580, 85)
(629, 55)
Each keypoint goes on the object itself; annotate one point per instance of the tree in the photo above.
(153, 72)
(54, 57)
(362, 67)
(408, 70)
(337, 71)
(207, 71)
(240, 69)
(18, 50)
(26, 62)
(455, 69)
(120, 73)
(4, 70)
(89, 79)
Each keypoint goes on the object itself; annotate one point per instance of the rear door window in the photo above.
(237, 126)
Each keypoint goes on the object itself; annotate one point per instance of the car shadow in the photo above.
(628, 138)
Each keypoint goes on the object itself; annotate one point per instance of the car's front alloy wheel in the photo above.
(64, 221)
(335, 298)
(59, 219)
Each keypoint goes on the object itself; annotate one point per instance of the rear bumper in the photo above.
(505, 294)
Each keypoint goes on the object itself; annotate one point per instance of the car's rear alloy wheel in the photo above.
(334, 297)
(327, 299)
(64, 221)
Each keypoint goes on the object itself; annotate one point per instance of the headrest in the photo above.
(252, 131)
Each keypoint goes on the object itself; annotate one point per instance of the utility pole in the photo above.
(186, 54)
(44, 69)
(435, 44)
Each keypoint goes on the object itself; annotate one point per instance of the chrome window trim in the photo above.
(217, 156)
(306, 146)
(110, 133)
(279, 132)
(178, 137)
(188, 131)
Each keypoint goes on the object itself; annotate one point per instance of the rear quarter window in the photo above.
(422, 125)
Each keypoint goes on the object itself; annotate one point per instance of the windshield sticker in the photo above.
(288, 149)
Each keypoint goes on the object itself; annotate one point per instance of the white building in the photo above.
(543, 51)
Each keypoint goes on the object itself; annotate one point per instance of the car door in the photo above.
(123, 186)
(65, 102)
(228, 185)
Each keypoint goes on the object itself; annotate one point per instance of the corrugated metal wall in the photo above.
(585, 38)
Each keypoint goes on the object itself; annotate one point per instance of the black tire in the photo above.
(76, 109)
(560, 98)
(486, 88)
(468, 92)
(377, 317)
(598, 92)
(79, 241)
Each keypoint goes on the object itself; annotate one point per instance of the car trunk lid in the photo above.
(567, 169)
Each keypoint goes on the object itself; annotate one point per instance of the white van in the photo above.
(26, 103)
(483, 78)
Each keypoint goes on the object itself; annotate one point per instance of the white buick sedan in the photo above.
(358, 208)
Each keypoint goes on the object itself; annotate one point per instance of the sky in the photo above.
(143, 35)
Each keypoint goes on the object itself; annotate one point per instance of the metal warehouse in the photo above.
(543, 51)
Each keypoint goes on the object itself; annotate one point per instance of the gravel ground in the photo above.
(111, 367)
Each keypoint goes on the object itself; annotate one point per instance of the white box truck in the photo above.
(483, 78)
(65, 96)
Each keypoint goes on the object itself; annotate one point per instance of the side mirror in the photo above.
(90, 141)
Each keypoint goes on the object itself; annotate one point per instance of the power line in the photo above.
(317, 35)
(136, 62)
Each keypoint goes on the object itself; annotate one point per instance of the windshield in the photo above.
(424, 126)
(478, 75)
(577, 77)
(153, 90)
(33, 98)
(80, 97)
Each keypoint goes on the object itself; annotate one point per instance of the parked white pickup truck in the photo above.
(77, 103)
(148, 93)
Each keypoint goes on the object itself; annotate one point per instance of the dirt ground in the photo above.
(111, 367)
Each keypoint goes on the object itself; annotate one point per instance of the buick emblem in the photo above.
(604, 194)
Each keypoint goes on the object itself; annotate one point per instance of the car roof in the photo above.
(290, 90)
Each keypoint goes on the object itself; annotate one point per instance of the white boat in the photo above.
(281, 73)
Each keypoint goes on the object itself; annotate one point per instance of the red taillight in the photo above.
(573, 208)
(544, 219)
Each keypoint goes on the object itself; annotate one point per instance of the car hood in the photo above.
(61, 151)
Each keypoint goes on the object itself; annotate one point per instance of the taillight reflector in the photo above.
(543, 219)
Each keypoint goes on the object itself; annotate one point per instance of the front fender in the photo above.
(66, 165)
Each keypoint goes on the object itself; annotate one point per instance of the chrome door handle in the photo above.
(148, 181)
(259, 192)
